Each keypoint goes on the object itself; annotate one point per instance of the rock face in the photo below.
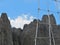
(26, 36)
(52, 19)
(5, 30)
(43, 31)
(16, 35)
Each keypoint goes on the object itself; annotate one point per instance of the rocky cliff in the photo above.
(26, 36)
(5, 30)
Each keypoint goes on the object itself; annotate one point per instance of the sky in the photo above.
(22, 12)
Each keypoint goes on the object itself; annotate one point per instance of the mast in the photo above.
(49, 28)
(37, 23)
(51, 36)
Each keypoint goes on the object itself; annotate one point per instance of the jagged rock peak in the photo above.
(35, 20)
(52, 18)
(46, 19)
(5, 21)
(4, 16)
(25, 26)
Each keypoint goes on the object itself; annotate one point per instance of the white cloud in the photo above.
(21, 20)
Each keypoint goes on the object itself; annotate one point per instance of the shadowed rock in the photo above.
(5, 30)
(26, 36)
(43, 31)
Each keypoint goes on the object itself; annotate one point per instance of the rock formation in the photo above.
(26, 36)
(43, 31)
(16, 35)
(5, 30)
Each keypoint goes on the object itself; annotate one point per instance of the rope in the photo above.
(50, 25)
(37, 22)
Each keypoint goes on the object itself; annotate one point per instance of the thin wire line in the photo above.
(56, 0)
(46, 23)
(57, 8)
(37, 23)
(49, 23)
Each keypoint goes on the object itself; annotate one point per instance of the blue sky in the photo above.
(15, 8)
